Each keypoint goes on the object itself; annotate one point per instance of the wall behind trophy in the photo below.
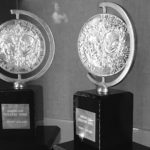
(67, 75)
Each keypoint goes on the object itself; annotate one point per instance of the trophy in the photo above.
(103, 117)
(26, 52)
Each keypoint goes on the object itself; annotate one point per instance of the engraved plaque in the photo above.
(15, 116)
(85, 124)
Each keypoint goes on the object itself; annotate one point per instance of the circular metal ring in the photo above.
(51, 50)
(124, 70)
(132, 42)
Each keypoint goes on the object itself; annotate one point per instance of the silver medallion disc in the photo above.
(22, 46)
(103, 45)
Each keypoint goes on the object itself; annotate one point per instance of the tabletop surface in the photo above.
(69, 146)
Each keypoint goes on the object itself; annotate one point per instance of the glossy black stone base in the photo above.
(113, 117)
(12, 97)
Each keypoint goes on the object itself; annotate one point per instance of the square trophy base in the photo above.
(17, 114)
(103, 122)
(46, 137)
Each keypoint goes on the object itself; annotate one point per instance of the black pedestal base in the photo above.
(44, 139)
(103, 122)
(17, 114)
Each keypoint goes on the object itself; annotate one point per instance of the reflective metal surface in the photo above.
(102, 45)
(106, 47)
(85, 124)
(26, 49)
(22, 46)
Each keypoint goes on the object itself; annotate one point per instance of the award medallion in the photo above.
(22, 47)
(106, 47)
(26, 50)
(102, 45)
